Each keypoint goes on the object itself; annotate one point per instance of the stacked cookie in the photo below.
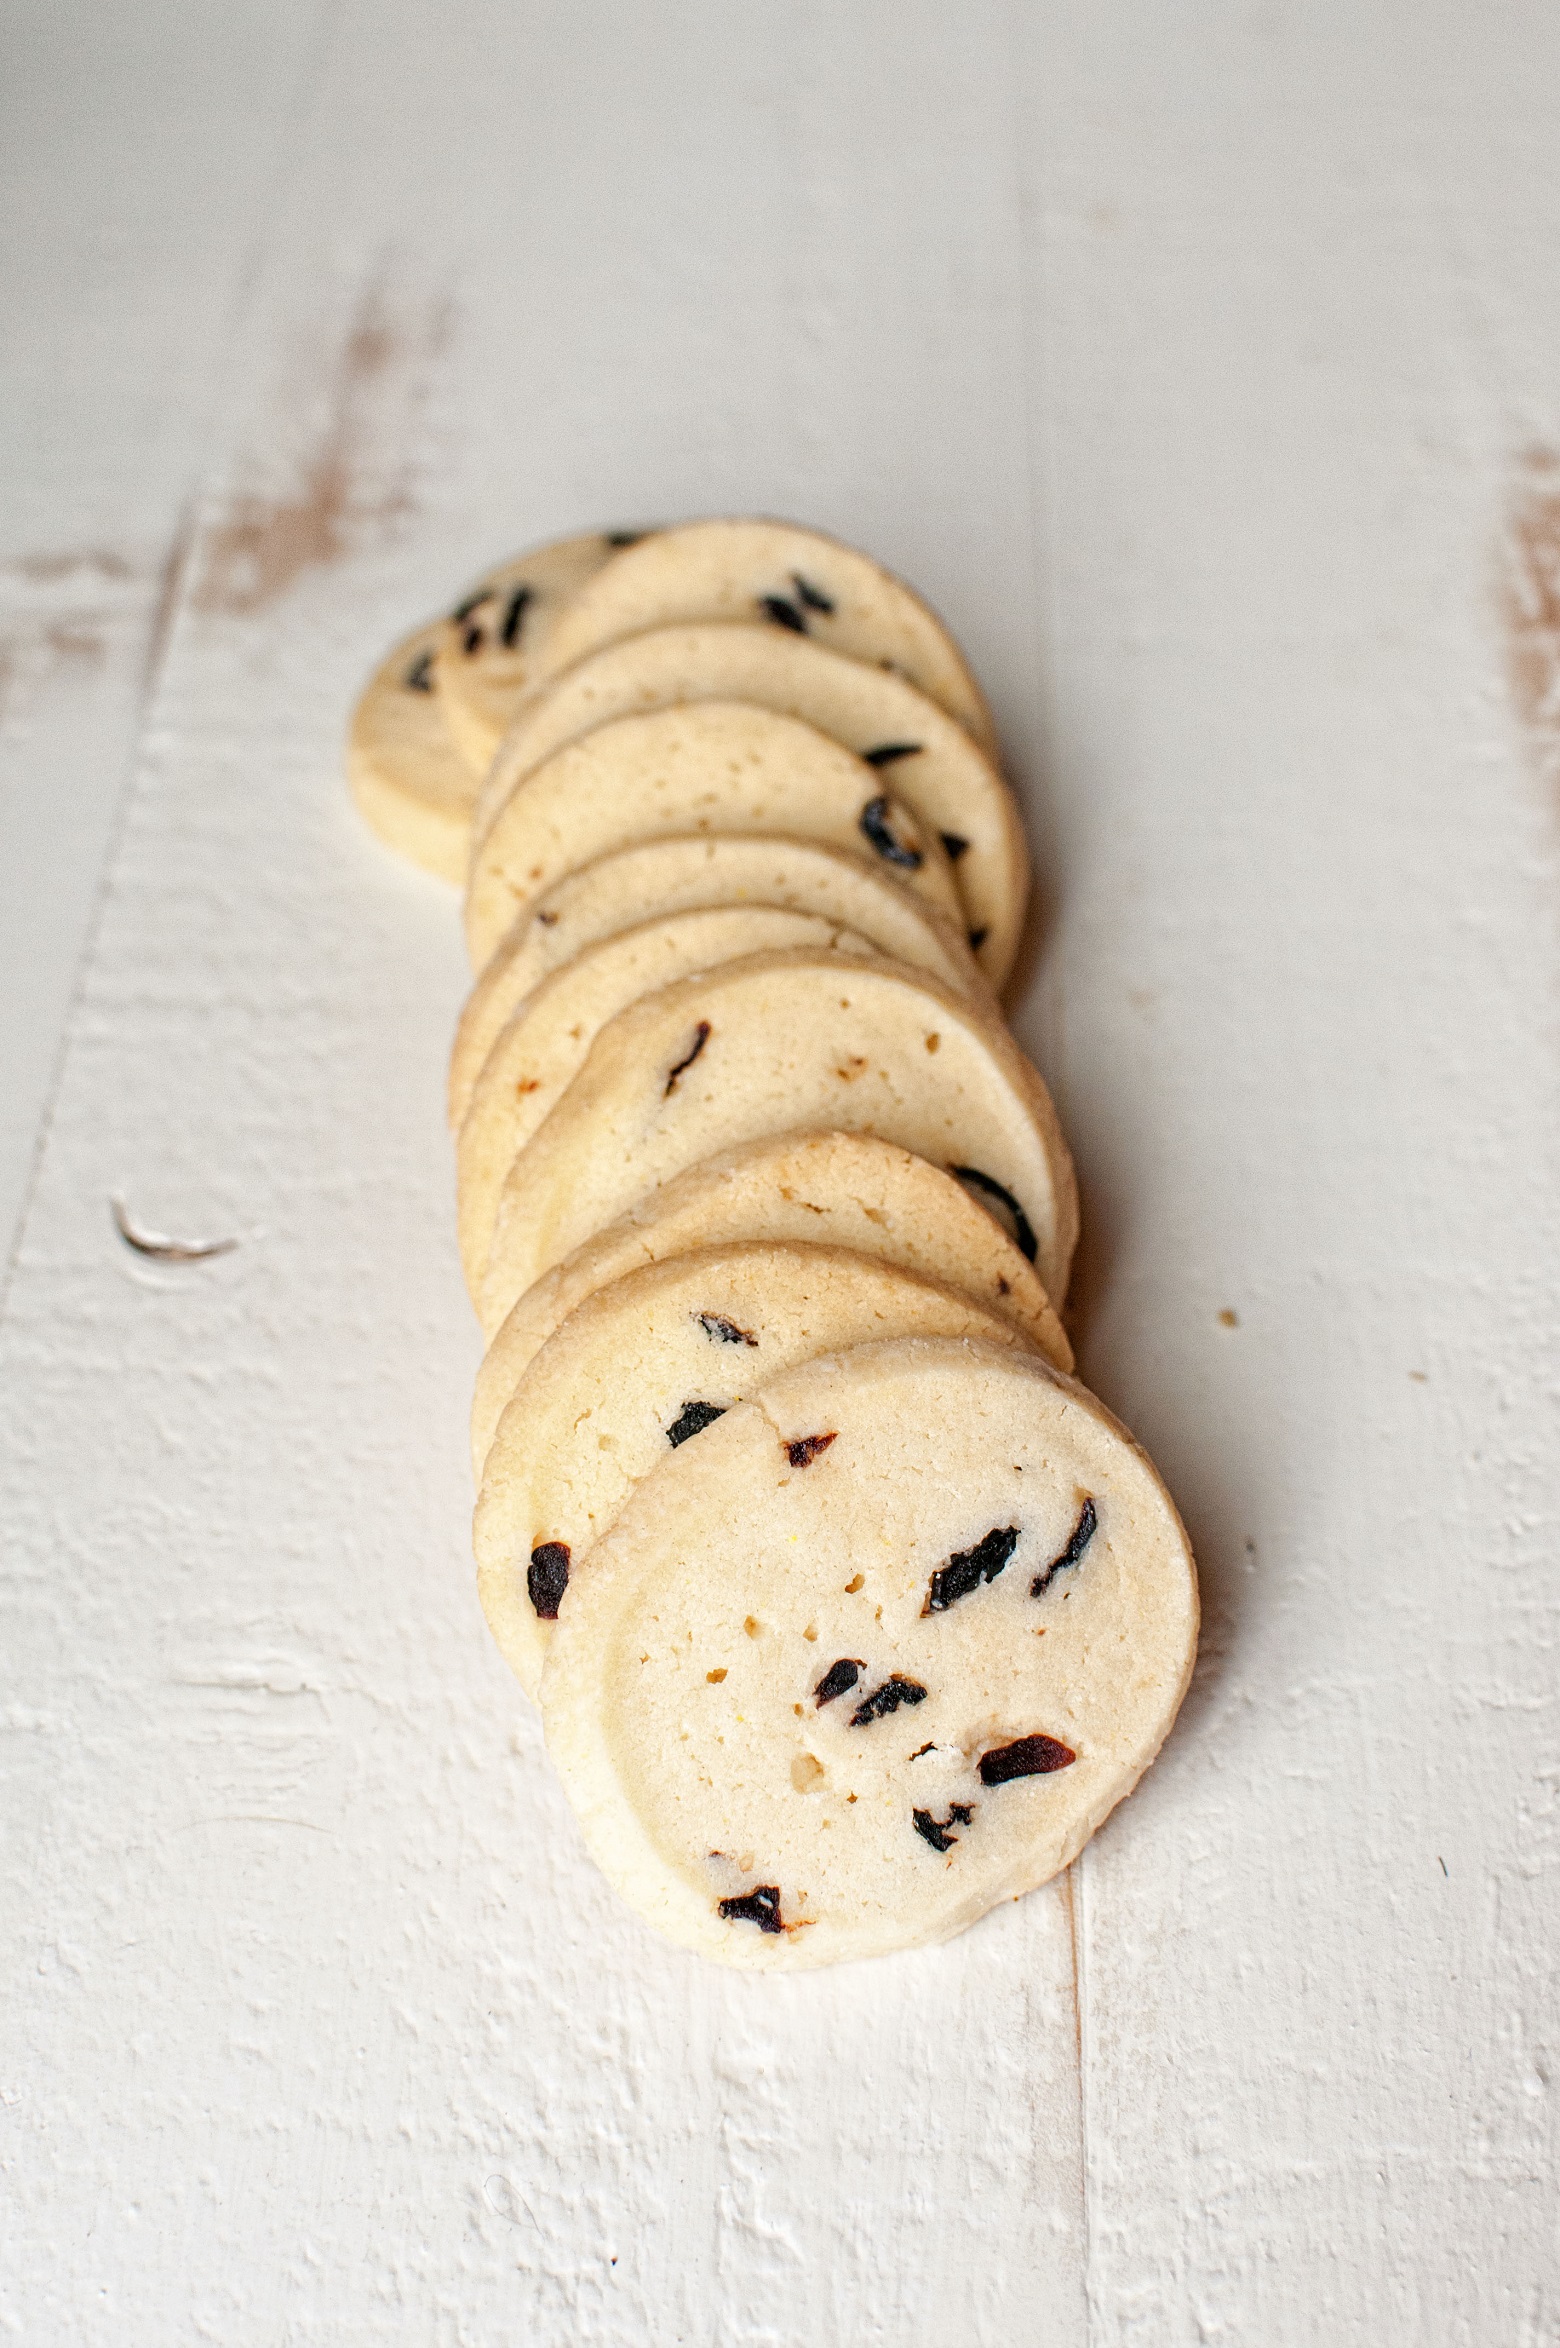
(848, 1610)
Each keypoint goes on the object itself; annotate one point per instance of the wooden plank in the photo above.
(135, 155)
(328, 2028)
(1296, 275)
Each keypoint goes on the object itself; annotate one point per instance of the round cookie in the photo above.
(881, 1649)
(494, 643)
(781, 575)
(767, 1044)
(647, 1365)
(941, 775)
(677, 875)
(545, 1044)
(832, 1189)
(411, 784)
(718, 766)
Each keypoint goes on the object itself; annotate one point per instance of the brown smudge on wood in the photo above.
(73, 640)
(345, 487)
(48, 569)
(1530, 602)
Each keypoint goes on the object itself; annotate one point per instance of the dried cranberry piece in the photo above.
(895, 1690)
(547, 1577)
(935, 1831)
(806, 1448)
(692, 1419)
(761, 1907)
(838, 1679)
(701, 1036)
(967, 1569)
(724, 1331)
(1035, 1756)
(989, 1187)
(1082, 1535)
(876, 826)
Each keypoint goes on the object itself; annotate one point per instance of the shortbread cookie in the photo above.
(834, 1189)
(545, 1044)
(881, 1649)
(788, 578)
(937, 770)
(411, 784)
(647, 1365)
(772, 1043)
(720, 766)
(680, 875)
(494, 643)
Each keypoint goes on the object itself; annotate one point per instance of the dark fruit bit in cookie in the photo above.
(956, 845)
(1023, 1229)
(806, 1448)
(723, 1331)
(977, 938)
(966, 1569)
(935, 1831)
(761, 1907)
(1082, 1535)
(463, 611)
(514, 618)
(886, 753)
(419, 677)
(1034, 1756)
(625, 537)
(878, 829)
(837, 1680)
(896, 1690)
(784, 615)
(692, 1419)
(472, 640)
(701, 1036)
(547, 1577)
(812, 596)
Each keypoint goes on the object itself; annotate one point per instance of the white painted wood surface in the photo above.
(1201, 364)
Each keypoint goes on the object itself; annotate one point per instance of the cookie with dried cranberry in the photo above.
(494, 643)
(717, 766)
(681, 874)
(647, 1365)
(411, 784)
(933, 764)
(772, 1043)
(880, 1650)
(546, 1042)
(836, 1189)
(780, 576)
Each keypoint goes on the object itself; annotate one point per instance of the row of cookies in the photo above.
(743, 1144)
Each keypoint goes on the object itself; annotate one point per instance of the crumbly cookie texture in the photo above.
(933, 764)
(717, 766)
(681, 874)
(784, 577)
(648, 1365)
(411, 784)
(882, 1649)
(781, 1040)
(494, 643)
(546, 1043)
(849, 1190)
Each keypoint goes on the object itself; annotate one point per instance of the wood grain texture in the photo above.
(1201, 368)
